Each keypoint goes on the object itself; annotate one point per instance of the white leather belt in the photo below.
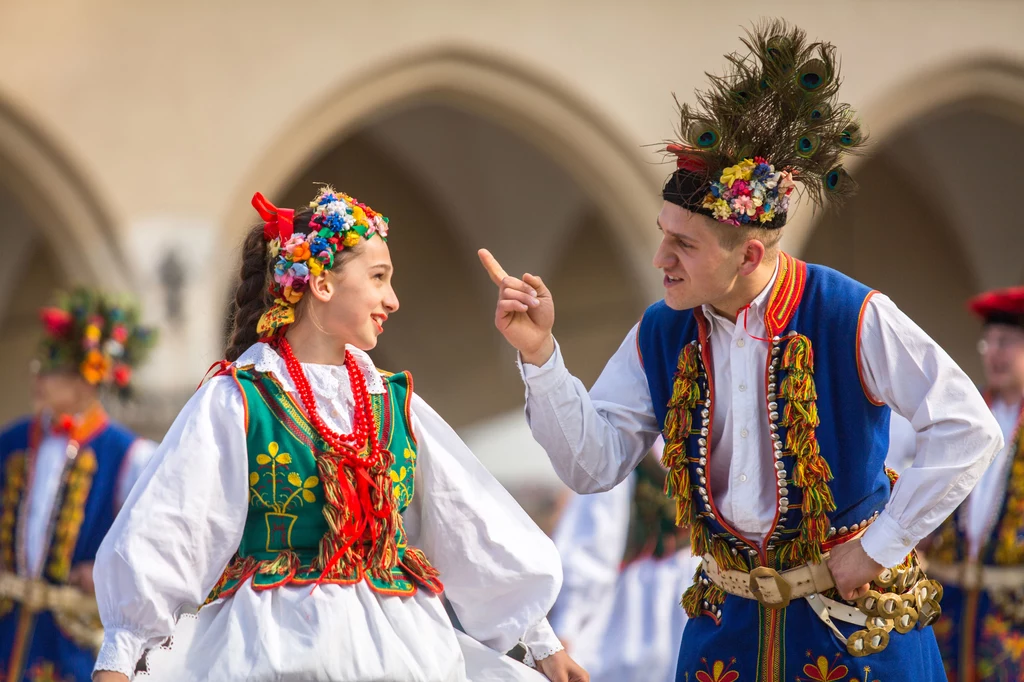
(776, 590)
(767, 586)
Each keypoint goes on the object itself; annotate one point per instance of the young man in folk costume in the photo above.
(772, 381)
(978, 553)
(64, 473)
(624, 564)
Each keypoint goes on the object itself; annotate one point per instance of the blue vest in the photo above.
(829, 441)
(34, 646)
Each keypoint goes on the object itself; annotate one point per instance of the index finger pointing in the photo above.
(491, 265)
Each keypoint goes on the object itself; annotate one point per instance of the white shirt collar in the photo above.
(327, 381)
(756, 306)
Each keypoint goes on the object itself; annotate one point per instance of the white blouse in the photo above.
(184, 521)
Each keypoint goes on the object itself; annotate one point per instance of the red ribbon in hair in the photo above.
(279, 222)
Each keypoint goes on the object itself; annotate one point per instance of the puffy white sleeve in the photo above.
(591, 539)
(179, 527)
(501, 573)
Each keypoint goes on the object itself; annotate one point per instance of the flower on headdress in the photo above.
(119, 333)
(113, 348)
(300, 252)
(740, 188)
(352, 238)
(786, 183)
(317, 244)
(709, 201)
(721, 210)
(56, 322)
(740, 171)
(299, 270)
(95, 367)
(766, 217)
(716, 189)
(291, 295)
(273, 248)
(360, 215)
(743, 205)
(92, 336)
(122, 375)
(316, 267)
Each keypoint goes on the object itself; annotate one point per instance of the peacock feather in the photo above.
(778, 101)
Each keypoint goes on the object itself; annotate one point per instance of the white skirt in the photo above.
(334, 633)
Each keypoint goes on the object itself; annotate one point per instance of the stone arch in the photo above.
(612, 170)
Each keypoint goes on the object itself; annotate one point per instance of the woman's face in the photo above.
(353, 302)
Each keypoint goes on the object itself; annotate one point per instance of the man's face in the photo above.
(1002, 356)
(697, 270)
(59, 392)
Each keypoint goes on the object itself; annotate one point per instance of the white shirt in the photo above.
(986, 500)
(51, 459)
(184, 521)
(594, 440)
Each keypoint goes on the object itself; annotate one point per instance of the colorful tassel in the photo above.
(798, 355)
(678, 427)
(811, 473)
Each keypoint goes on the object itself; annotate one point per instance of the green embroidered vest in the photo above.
(287, 537)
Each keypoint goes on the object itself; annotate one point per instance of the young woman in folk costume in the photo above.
(316, 505)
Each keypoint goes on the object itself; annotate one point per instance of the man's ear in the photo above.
(753, 254)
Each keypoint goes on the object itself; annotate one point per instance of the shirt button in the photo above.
(741, 343)
(743, 478)
(743, 387)
(743, 433)
(906, 542)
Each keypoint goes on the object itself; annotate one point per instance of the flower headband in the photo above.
(97, 335)
(338, 222)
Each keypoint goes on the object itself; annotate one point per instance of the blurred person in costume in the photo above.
(64, 473)
(978, 553)
(624, 564)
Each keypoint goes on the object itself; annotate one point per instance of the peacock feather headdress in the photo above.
(773, 120)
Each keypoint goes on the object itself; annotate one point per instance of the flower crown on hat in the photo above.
(338, 222)
(772, 120)
(97, 335)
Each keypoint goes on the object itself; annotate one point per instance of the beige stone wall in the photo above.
(130, 131)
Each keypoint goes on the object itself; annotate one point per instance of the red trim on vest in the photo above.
(786, 295)
(860, 368)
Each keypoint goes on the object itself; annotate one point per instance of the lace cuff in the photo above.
(540, 642)
(120, 652)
